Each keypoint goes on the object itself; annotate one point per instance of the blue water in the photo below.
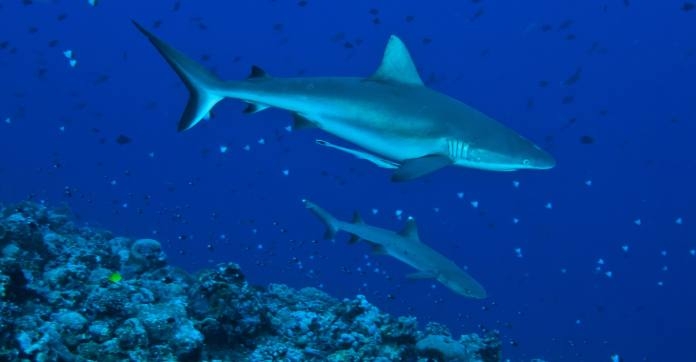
(600, 261)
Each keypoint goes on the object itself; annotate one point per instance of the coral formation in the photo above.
(61, 302)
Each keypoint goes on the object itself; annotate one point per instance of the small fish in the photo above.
(573, 78)
(115, 277)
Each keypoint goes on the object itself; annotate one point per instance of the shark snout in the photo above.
(542, 160)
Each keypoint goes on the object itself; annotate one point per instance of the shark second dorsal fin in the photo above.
(357, 219)
(257, 72)
(410, 231)
(397, 66)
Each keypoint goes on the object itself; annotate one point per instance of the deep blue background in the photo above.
(635, 98)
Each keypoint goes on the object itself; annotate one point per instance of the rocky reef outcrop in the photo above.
(70, 293)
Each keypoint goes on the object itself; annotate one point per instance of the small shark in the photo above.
(391, 114)
(405, 246)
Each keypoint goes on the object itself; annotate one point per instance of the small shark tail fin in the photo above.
(201, 83)
(329, 221)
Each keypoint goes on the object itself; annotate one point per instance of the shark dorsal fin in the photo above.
(357, 219)
(410, 231)
(397, 65)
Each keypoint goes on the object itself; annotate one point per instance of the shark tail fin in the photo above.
(201, 83)
(329, 221)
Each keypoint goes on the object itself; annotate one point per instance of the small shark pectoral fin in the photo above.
(300, 122)
(201, 83)
(417, 167)
(421, 275)
(254, 108)
(397, 65)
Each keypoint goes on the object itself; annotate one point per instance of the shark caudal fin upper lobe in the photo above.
(202, 84)
(329, 221)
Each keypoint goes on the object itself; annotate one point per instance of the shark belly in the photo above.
(382, 142)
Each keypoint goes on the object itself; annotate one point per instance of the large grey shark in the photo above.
(405, 246)
(390, 114)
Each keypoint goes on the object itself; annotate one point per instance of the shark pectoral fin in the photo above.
(421, 275)
(300, 122)
(417, 167)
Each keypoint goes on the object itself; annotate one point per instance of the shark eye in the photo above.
(525, 162)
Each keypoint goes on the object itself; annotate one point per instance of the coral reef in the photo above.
(74, 293)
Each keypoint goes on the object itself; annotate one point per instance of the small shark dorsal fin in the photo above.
(357, 219)
(397, 65)
(257, 72)
(410, 231)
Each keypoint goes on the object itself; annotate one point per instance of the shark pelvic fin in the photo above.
(257, 72)
(353, 239)
(410, 231)
(201, 83)
(300, 122)
(254, 108)
(417, 167)
(397, 65)
(379, 249)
